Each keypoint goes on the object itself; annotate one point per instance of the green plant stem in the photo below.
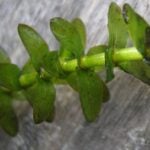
(126, 54)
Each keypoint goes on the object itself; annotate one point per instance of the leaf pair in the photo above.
(138, 30)
(39, 90)
(91, 88)
(9, 83)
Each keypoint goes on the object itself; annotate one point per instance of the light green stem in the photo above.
(126, 54)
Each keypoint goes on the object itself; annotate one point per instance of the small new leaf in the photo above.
(34, 43)
(41, 96)
(8, 119)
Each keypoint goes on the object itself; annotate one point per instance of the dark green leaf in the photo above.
(117, 28)
(80, 27)
(41, 96)
(91, 91)
(136, 27)
(8, 119)
(9, 76)
(138, 68)
(34, 43)
(3, 56)
(72, 80)
(71, 44)
(117, 37)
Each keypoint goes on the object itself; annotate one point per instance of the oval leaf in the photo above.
(34, 43)
(9, 76)
(8, 119)
(72, 80)
(136, 27)
(28, 74)
(80, 27)
(90, 88)
(71, 44)
(41, 96)
(138, 69)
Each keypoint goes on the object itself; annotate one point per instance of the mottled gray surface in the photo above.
(124, 123)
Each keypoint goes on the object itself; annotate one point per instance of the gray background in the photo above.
(124, 123)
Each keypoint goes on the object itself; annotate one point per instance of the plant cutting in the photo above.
(128, 48)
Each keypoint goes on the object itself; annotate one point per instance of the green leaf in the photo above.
(72, 80)
(8, 119)
(138, 69)
(41, 96)
(80, 27)
(3, 56)
(117, 37)
(90, 88)
(52, 65)
(34, 43)
(136, 27)
(71, 44)
(9, 76)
